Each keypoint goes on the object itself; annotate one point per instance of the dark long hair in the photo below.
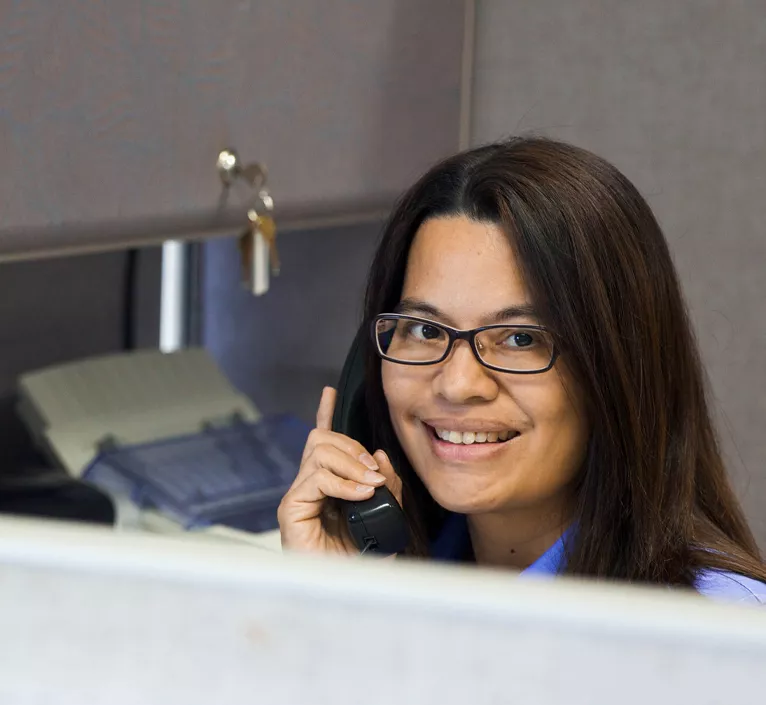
(653, 503)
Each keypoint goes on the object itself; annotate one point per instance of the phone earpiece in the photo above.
(377, 525)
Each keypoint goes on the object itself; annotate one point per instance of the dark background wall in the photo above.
(282, 348)
(57, 310)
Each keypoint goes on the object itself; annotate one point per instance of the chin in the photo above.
(463, 495)
(470, 491)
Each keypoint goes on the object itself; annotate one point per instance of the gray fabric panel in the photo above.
(114, 112)
(674, 93)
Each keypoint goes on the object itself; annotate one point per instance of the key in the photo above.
(268, 229)
(255, 252)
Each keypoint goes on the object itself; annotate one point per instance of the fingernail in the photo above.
(374, 478)
(369, 461)
(363, 489)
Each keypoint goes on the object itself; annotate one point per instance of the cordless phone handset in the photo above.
(377, 525)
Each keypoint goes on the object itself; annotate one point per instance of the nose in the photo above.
(463, 379)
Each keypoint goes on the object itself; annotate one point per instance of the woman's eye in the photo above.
(520, 339)
(423, 331)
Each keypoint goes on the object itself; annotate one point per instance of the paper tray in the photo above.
(233, 475)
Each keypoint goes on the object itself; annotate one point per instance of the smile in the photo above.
(486, 433)
(476, 445)
(471, 437)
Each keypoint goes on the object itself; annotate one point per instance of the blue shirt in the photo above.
(454, 544)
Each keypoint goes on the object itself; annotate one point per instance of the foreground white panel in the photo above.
(88, 616)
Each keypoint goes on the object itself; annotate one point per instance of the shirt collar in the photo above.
(454, 544)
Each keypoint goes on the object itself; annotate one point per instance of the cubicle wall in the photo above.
(96, 617)
(114, 112)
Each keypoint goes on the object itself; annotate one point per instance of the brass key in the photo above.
(258, 252)
(268, 230)
(246, 243)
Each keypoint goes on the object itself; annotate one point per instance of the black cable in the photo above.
(194, 290)
(129, 300)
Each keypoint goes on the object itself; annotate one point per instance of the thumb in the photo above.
(393, 481)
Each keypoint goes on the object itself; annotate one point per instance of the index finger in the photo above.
(326, 409)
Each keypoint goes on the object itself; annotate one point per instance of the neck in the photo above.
(517, 538)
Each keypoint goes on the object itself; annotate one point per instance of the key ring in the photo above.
(258, 243)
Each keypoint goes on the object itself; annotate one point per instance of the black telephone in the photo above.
(377, 525)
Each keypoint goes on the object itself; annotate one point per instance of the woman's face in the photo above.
(463, 273)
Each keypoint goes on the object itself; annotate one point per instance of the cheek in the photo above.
(560, 423)
(397, 389)
(403, 388)
(391, 390)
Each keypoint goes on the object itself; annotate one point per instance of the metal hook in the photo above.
(230, 169)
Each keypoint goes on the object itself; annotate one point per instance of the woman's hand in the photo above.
(333, 465)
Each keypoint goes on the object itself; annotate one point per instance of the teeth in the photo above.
(469, 437)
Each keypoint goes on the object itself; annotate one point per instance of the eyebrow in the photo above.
(411, 306)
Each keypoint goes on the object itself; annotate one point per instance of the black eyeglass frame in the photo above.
(455, 334)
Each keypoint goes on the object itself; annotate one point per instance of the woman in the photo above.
(568, 429)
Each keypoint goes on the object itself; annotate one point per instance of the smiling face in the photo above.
(451, 418)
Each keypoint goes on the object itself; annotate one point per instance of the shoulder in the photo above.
(730, 587)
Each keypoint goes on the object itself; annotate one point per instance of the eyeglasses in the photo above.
(407, 340)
